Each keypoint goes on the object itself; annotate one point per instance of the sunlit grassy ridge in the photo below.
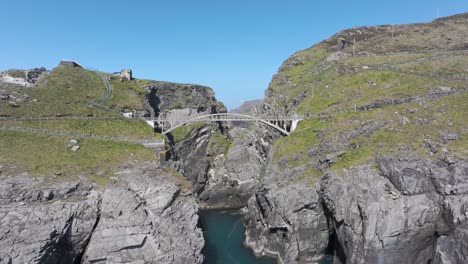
(45, 155)
(128, 94)
(68, 91)
(63, 91)
(180, 133)
(365, 110)
(217, 144)
(124, 128)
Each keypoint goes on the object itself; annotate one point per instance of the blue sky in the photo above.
(232, 46)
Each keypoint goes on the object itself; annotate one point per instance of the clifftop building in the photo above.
(126, 74)
(70, 63)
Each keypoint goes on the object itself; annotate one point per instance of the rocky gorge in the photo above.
(377, 187)
(377, 171)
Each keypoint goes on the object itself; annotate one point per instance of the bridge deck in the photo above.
(272, 121)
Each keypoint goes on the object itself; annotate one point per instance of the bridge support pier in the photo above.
(159, 149)
(294, 125)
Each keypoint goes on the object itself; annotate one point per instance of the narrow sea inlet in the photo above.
(224, 236)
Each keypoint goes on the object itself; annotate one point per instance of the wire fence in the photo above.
(453, 77)
(46, 118)
(429, 58)
(82, 135)
(100, 106)
(394, 67)
(386, 102)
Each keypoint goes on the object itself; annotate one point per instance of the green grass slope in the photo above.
(404, 95)
(66, 92)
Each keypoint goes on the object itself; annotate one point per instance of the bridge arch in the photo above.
(226, 117)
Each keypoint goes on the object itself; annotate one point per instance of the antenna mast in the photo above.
(438, 8)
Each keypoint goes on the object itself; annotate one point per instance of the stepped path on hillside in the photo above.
(108, 86)
(99, 103)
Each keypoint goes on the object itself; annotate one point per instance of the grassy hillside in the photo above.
(63, 91)
(46, 155)
(67, 92)
(128, 94)
(404, 95)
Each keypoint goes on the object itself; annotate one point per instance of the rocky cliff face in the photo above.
(145, 214)
(234, 176)
(141, 216)
(287, 222)
(45, 223)
(176, 101)
(378, 169)
(21, 78)
(402, 214)
(14, 83)
(145, 218)
(194, 146)
(223, 169)
(407, 210)
(222, 162)
(285, 216)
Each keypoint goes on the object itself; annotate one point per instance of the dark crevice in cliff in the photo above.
(334, 246)
(79, 258)
(330, 250)
(223, 129)
(171, 153)
(60, 247)
(154, 101)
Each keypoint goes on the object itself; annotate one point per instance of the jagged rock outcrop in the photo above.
(190, 157)
(221, 178)
(179, 101)
(285, 216)
(404, 210)
(42, 222)
(452, 248)
(145, 218)
(288, 222)
(193, 152)
(409, 212)
(233, 177)
(22, 78)
(141, 217)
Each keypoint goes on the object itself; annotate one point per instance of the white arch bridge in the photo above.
(280, 123)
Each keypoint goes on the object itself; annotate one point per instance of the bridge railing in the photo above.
(175, 122)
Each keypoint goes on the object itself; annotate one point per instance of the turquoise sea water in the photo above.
(224, 237)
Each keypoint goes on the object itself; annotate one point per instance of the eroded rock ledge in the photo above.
(46, 223)
(145, 218)
(407, 210)
(141, 216)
